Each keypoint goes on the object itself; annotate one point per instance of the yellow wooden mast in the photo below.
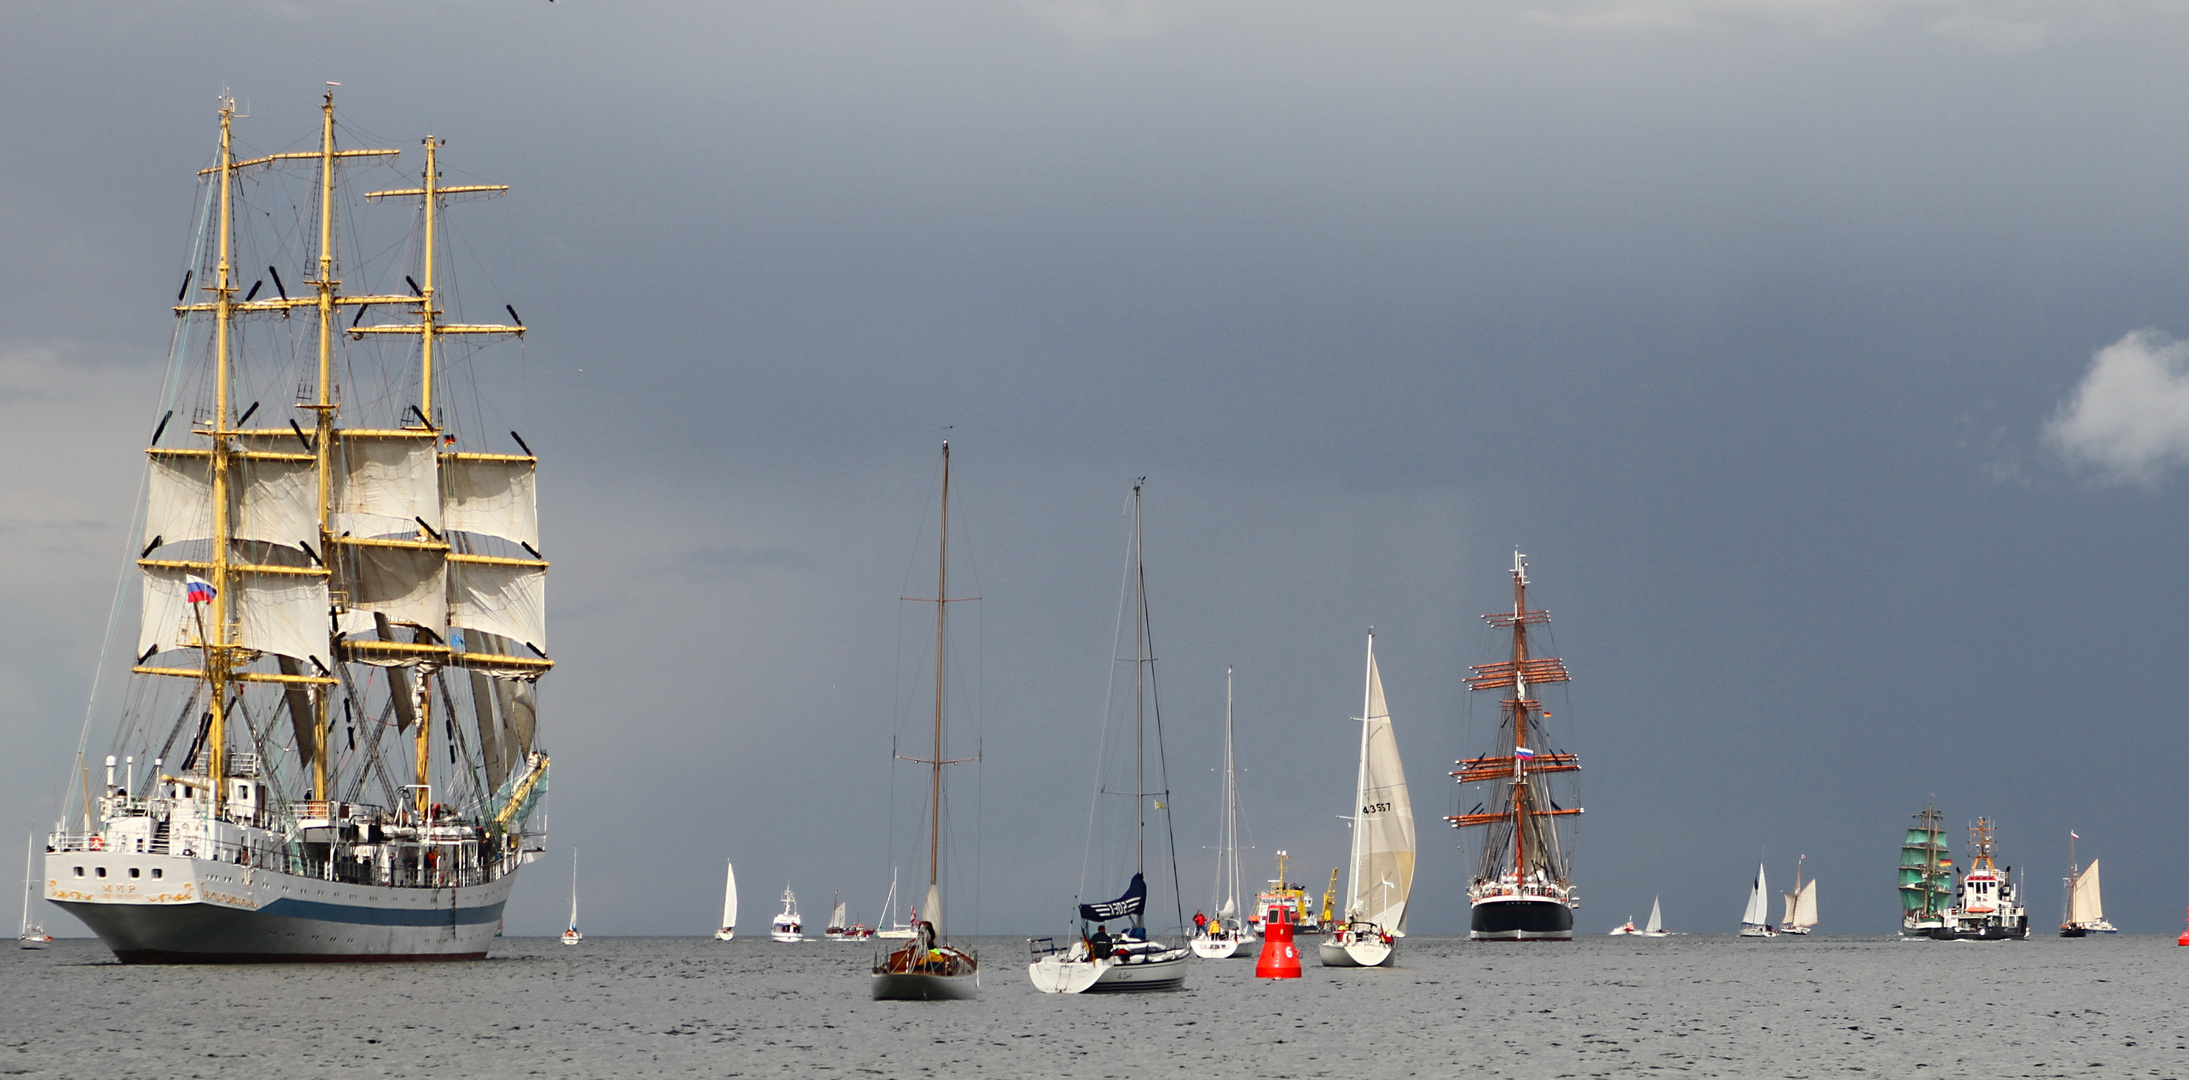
(215, 650)
(430, 192)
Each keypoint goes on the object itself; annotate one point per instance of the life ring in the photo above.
(96, 843)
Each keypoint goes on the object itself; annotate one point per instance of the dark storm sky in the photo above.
(1818, 354)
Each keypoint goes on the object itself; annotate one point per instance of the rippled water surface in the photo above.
(1692, 1006)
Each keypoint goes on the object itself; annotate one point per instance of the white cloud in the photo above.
(2128, 422)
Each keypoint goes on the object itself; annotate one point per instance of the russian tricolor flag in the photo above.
(1523, 753)
(198, 590)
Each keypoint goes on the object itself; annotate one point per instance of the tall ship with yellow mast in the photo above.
(328, 745)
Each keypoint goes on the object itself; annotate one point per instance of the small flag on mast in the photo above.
(2071, 835)
(197, 590)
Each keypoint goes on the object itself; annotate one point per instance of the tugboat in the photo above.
(1987, 907)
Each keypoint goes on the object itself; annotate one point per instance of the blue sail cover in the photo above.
(1136, 897)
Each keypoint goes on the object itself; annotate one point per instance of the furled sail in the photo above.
(1383, 825)
(2083, 903)
(1759, 905)
(492, 495)
(386, 485)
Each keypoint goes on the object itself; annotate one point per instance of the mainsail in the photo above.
(1759, 903)
(729, 895)
(2084, 906)
(1383, 822)
(1656, 917)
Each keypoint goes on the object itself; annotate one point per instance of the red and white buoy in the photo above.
(1280, 959)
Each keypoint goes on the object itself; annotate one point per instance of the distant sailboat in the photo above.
(1801, 904)
(786, 926)
(1656, 927)
(892, 927)
(841, 928)
(34, 936)
(571, 936)
(1227, 933)
(1383, 842)
(2085, 908)
(1756, 921)
(729, 906)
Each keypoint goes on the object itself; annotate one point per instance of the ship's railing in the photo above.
(429, 866)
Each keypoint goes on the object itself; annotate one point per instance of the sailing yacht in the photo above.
(2084, 911)
(1132, 960)
(728, 931)
(571, 935)
(365, 568)
(929, 969)
(1522, 888)
(1382, 862)
(890, 926)
(32, 935)
(786, 926)
(1801, 904)
(1656, 925)
(1756, 919)
(840, 928)
(1226, 934)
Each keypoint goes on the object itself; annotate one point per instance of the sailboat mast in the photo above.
(942, 609)
(1360, 782)
(323, 403)
(1140, 691)
(215, 647)
(1231, 809)
(1520, 720)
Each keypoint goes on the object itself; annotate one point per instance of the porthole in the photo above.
(79, 871)
(99, 870)
(158, 873)
(134, 872)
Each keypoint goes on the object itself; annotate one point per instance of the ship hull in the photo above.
(206, 912)
(1521, 919)
(1981, 933)
(915, 986)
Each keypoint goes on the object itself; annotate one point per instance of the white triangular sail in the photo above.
(931, 911)
(2084, 905)
(1805, 908)
(1759, 904)
(1383, 823)
(1656, 917)
(729, 897)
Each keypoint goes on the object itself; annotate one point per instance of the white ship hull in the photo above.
(1340, 953)
(1060, 975)
(198, 911)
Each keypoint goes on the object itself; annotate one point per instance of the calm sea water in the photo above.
(613, 1007)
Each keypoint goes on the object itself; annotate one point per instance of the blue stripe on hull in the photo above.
(353, 915)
